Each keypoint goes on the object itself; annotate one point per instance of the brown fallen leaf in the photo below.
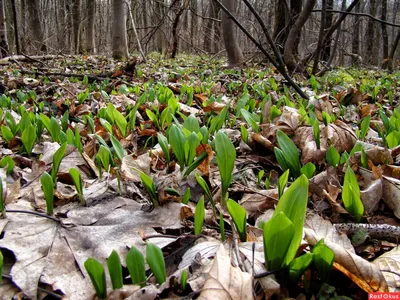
(225, 281)
(389, 264)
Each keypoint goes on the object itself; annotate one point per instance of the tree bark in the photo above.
(320, 38)
(370, 35)
(119, 39)
(295, 10)
(385, 37)
(393, 51)
(355, 45)
(326, 51)
(3, 31)
(234, 53)
(76, 25)
(295, 33)
(36, 24)
(16, 29)
(90, 43)
(280, 32)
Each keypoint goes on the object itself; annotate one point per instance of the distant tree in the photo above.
(370, 54)
(119, 38)
(355, 44)
(36, 25)
(326, 51)
(385, 37)
(76, 8)
(234, 53)
(91, 10)
(3, 31)
(280, 30)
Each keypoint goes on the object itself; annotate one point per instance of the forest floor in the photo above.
(159, 147)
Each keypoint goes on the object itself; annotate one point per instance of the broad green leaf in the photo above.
(6, 133)
(11, 122)
(136, 267)
(150, 187)
(282, 181)
(299, 265)
(290, 153)
(57, 158)
(332, 156)
(351, 195)
(76, 178)
(316, 132)
(244, 133)
(115, 270)
(28, 138)
(226, 155)
(104, 155)
(119, 150)
(308, 169)
(64, 121)
(239, 217)
(155, 260)
(186, 196)
(183, 280)
(54, 129)
(106, 125)
(192, 124)
(393, 139)
(177, 141)
(190, 146)
(199, 216)
(278, 235)
(48, 190)
(203, 155)
(8, 162)
(162, 140)
(249, 119)
(70, 137)
(97, 276)
(293, 204)
(365, 127)
(121, 122)
(218, 121)
(323, 259)
(24, 122)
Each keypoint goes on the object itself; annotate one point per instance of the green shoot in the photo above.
(239, 217)
(48, 190)
(155, 260)
(115, 270)
(136, 267)
(199, 216)
(97, 276)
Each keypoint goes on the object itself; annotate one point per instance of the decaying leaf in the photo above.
(389, 264)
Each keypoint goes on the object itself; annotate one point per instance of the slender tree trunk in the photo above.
(16, 30)
(393, 51)
(355, 45)
(320, 38)
(385, 37)
(370, 35)
(234, 53)
(119, 39)
(295, 10)
(280, 30)
(326, 51)
(36, 24)
(208, 28)
(76, 25)
(216, 38)
(91, 10)
(3, 31)
(295, 33)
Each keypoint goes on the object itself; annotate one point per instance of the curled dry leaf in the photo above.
(225, 281)
(129, 164)
(256, 203)
(371, 195)
(389, 264)
(288, 120)
(363, 273)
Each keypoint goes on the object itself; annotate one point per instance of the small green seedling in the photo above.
(6, 133)
(115, 270)
(118, 149)
(177, 140)
(332, 157)
(351, 195)
(155, 260)
(183, 280)
(104, 156)
(28, 138)
(226, 155)
(97, 276)
(245, 134)
(186, 196)
(299, 265)
(2, 200)
(48, 190)
(365, 127)
(250, 119)
(150, 187)
(317, 135)
(136, 266)
(308, 169)
(77, 179)
(222, 226)
(323, 259)
(260, 176)
(239, 217)
(162, 140)
(57, 158)
(199, 216)
(200, 180)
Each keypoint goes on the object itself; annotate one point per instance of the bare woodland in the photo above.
(302, 30)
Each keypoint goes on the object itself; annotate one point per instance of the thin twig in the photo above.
(236, 246)
(30, 212)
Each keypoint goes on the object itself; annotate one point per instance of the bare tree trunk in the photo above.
(280, 30)
(16, 31)
(90, 43)
(161, 41)
(175, 29)
(208, 28)
(3, 31)
(119, 39)
(234, 53)
(295, 33)
(320, 38)
(36, 24)
(355, 45)
(370, 35)
(385, 37)
(326, 51)
(295, 10)
(76, 25)
(393, 51)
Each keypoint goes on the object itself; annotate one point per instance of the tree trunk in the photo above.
(295, 33)
(385, 37)
(16, 30)
(280, 32)
(119, 39)
(370, 35)
(3, 31)
(326, 51)
(234, 53)
(76, 25)
(393, 51)
(36, 24)
(91, 10)
(355, 45)
(295, 10)
(208, 28)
